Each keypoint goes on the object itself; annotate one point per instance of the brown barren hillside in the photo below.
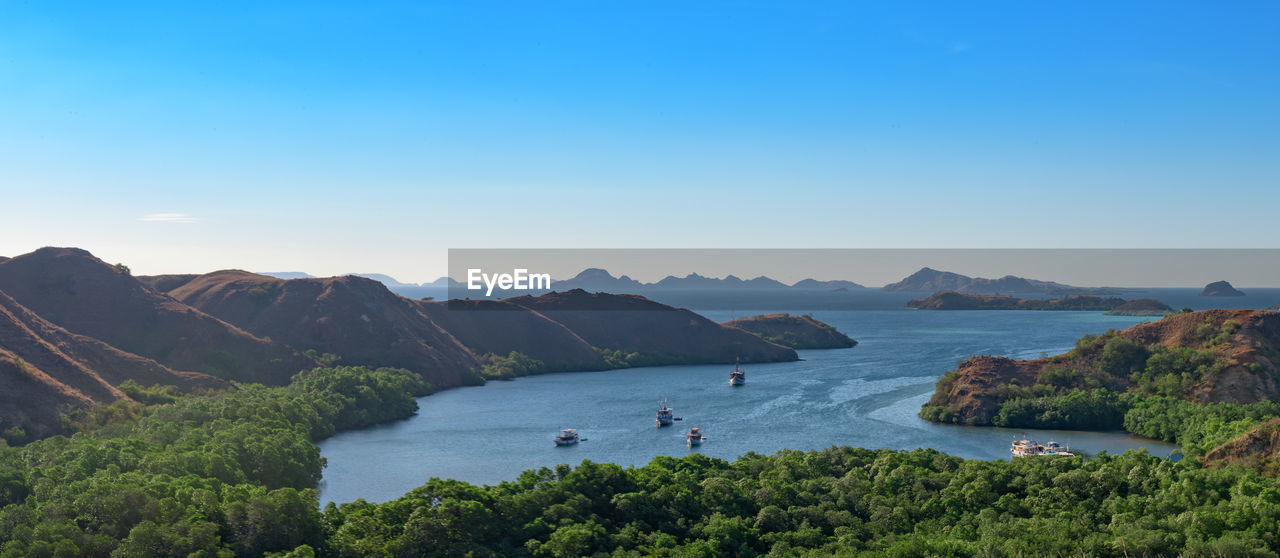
(659, 333)
(73, 289)
(355, 318)
(1224, 355)
(500, 327)
(45, 370)
(797, 332)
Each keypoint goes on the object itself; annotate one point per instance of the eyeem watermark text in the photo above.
(518, 279)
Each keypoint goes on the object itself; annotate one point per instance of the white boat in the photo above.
(1031, 448)
(694, 437)
(665, 415)
(567, 437)
(737, 376)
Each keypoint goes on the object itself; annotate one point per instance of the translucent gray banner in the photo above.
(502, 273)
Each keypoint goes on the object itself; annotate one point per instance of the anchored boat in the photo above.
(567, 437)
(737, 376)
(694, 437)
(1031, 448)
(665, 416)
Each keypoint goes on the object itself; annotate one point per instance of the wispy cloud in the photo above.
(168, 218)
(960, 46)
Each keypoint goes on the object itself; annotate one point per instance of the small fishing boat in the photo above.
(567, 437)
(694, 437)
(737, 376)
(665, 415)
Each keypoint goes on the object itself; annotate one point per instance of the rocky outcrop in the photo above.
(797, 332)
(1244, 344)
(84, 295)
(1220, 288)
(1258, 449)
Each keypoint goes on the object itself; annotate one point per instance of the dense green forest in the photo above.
(233, 474)
(205, 476)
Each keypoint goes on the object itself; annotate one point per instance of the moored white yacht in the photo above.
(1031, 448)
(737, 376)
(694, 437)
(567, 437)
(665, 415)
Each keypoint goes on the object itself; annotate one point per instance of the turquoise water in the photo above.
(865, 396)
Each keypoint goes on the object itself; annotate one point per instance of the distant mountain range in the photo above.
(379, 277)
(932, 280)
(596, 279)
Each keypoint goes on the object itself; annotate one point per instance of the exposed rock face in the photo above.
(1257, 448)
(45, 370)
(632, 323)
(73, 289)
(500, 327)
(971, 393)
(797, 332)
(1220, 288)
(1246, 341)
(353, 317)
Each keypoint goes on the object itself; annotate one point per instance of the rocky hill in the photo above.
(84, 295)
(797, 332)
(1207, 356)
(1220, 288)
(353, 317)
(655, 333)
(932, 280)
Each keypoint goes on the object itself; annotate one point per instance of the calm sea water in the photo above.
(865, 396)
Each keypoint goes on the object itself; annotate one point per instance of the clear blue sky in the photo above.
(337, 137)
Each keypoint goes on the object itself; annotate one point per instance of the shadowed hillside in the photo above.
(45, 369)
(654, 332)
(500, 328)
(797, 332)
(73, 289)
(353, 317)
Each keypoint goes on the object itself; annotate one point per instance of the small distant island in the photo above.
(1220, 288)
(796, 332)
(952, 300)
